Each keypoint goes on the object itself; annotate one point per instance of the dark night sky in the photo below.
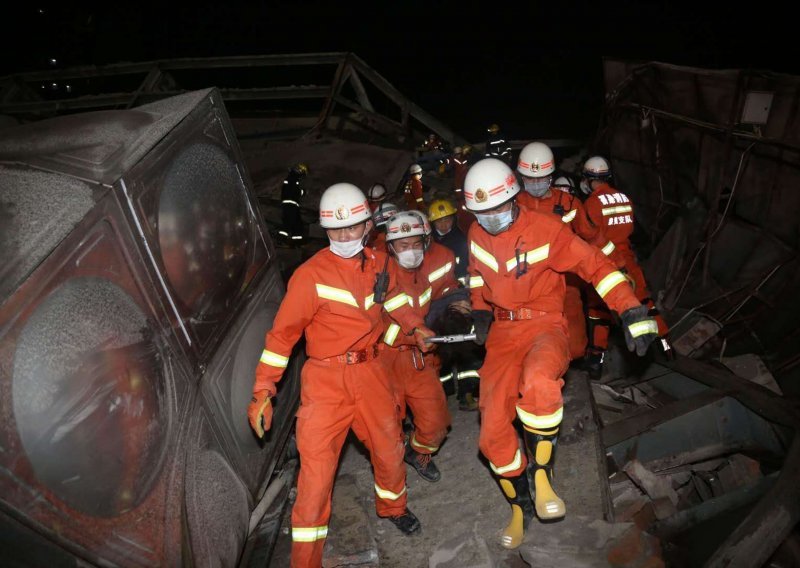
(535, 68)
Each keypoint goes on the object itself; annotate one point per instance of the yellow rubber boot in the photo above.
(549, 506)
(516, 491)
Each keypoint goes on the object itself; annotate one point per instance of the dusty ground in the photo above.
(462, 514)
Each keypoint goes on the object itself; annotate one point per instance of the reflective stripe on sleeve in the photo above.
(569, 216)
(609, 282)
(425, 297)
(369, 301)
(274, 359)
(440, 272)
(386, 494)
(534, 421)
(515, 464)
(475, 281)
(484, 256)
(309, 534)
(616, 210)
(532, 256)
(391, 334)
(397, 302)
(643, 328)
(445, 378)
(608, 249)
(336, 295)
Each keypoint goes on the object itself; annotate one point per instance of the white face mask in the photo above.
(410, 258)
(347, 249)
(497, 222)
(536, 186)
(586, 187)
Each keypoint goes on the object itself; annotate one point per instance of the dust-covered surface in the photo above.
(37, 210)
(461, 515)
(100, 145)
(88, 397)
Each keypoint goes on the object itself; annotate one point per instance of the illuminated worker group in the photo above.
(516, 254)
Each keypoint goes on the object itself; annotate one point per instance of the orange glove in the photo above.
(420, 333)
(260, 412)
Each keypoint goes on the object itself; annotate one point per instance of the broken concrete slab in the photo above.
(699, 329)
(750, 366)
(588, 543)
(657, 488)
(468, 550)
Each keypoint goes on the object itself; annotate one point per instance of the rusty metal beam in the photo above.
(398, 98)
(122, 99)
(244, 61)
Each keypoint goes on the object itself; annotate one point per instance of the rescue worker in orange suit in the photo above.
(344, 384)
(425, 274)
(292, 226)
(377, 238)
(496, 145)
(460, 167)
(517, 258)
(610, 216)
(536, 166)
(414, 189)
(375, 195)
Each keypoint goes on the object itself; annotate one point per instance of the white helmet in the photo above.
(564, 183)
(405, 224)
(426, 224)
(536, 160)
(342, 205)
(489, 183)
(596, 167)
(415, 169)
(383, 213)
(376, 192)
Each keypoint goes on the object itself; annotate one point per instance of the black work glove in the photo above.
(481, 320)
(640, 330)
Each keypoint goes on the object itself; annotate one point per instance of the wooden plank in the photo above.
(619, 431)
(769, 522)
(760, 400)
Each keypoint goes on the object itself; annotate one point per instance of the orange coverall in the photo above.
(377, 240)
(418, 387)
(520, 270)
(570, 210)
(413, 195)
(331, 299)
(610, 216)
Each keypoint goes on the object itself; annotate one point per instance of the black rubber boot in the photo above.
(541, 446)
(407, 522)
(423, 464)
(594, 365)
(518, 495)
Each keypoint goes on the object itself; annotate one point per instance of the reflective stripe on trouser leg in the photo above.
(377, 425)
(321, 431)
(501, 374)
(423, 393)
